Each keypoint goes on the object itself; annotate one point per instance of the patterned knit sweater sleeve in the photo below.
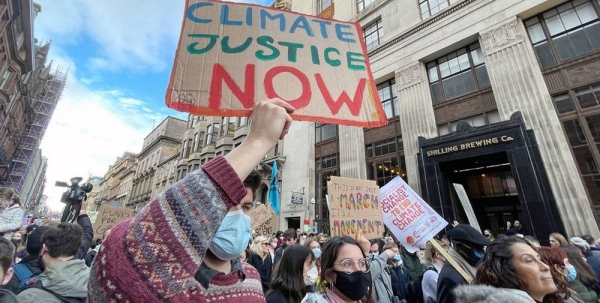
(154, 256)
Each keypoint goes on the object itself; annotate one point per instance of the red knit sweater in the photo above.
(154, 256)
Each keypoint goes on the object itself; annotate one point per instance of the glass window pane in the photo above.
(482, 76)
(592, 183)
(458, 85)
(387, 106)
(574, 132)
(463, 62)
(555, 25)
(433, 74)
(585, 160)
(586, 12)
(570, 19)
(565, 47)
(444, 69)
(536, 32)
(396, 107)
(443, 130)
(424, 10)
(544, 54)
(594, 124)
(589, 96)
(593, 34)
(493, 117)
(563, 104)
(436, 91)
(477, 56)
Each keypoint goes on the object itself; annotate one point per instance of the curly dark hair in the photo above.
(496, 267)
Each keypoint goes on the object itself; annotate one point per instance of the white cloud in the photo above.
(88, 131)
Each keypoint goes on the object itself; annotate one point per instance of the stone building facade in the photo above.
(161, 144)
(502, 97)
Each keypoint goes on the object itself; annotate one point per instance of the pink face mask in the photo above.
(274, 245)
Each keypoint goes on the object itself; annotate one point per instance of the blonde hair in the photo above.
(430, 251)
(390, 246)
(561, 239)
(10, 195)
(256, 246)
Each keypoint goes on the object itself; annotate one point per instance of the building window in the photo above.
(388, 93)
(212, 133)
(565, 32)
(362, 4)
(325, 132)
(242, 121)
(200, 142)
(432, 7)
(325, 168)
(588, 96)
(323, 5)
(475, 121)
(458, 73)
(373, 34)
(228, 125)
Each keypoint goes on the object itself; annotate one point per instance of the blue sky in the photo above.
(119, 56)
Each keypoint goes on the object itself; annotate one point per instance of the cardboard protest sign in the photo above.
(259, 215)
(109, 216)
(232, 55)
(407, 216)
(354, 205)
(267, 227)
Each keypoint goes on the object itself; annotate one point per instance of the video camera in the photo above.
(75, 193)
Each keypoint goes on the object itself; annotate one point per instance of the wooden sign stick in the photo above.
(451, 260)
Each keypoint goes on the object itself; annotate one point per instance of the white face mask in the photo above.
(311, 276)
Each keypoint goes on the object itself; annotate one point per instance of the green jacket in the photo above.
(68, 279)
(587, 294)
(412, 262)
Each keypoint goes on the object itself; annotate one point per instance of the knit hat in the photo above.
(31, 228)
(34, 240)
(466, 233)
(579, 242)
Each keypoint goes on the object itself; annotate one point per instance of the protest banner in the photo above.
(353, 206)
(258, 216)
(231, 55)
(466, 204)
(408, 217)
(109, 216)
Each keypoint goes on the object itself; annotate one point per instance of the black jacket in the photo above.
(448, 280)
(279, 254)
(88, 236)
(264, 268)
(32, 263)
(89, 258)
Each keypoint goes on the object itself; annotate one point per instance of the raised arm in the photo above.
(154, 256)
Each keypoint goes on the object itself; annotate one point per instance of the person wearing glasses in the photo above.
(260, 258)
(344, 271)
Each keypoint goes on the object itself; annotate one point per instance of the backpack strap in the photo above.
(23, 272)
(38, 284)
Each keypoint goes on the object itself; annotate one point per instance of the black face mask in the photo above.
(353, 286)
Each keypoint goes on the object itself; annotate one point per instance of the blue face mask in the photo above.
(373, 256)
(232, 237)
(477, 256)
(316, 252)
(572, 274)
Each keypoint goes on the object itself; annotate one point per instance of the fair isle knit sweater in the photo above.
(154, 256)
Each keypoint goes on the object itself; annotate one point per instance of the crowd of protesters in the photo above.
(193, 243)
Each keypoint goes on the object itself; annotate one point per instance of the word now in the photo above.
(247, 95)
(279, 21)
(359, 201)
(354, 61)
(351, 227)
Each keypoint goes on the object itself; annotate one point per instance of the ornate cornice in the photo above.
(422, 26)
(409, 76)
(501, 37)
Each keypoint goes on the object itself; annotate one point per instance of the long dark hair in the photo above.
(496, 267)
(584, 271)
(288, 277)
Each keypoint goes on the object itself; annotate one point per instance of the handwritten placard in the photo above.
(259, 215)
(109, 216)
(231, 55)
(267, 228)
(407, 216)
(353, 206)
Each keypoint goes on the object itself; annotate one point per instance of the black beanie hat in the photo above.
(34, 240)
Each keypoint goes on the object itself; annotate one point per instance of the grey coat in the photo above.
(382, 280)
(490, 294)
